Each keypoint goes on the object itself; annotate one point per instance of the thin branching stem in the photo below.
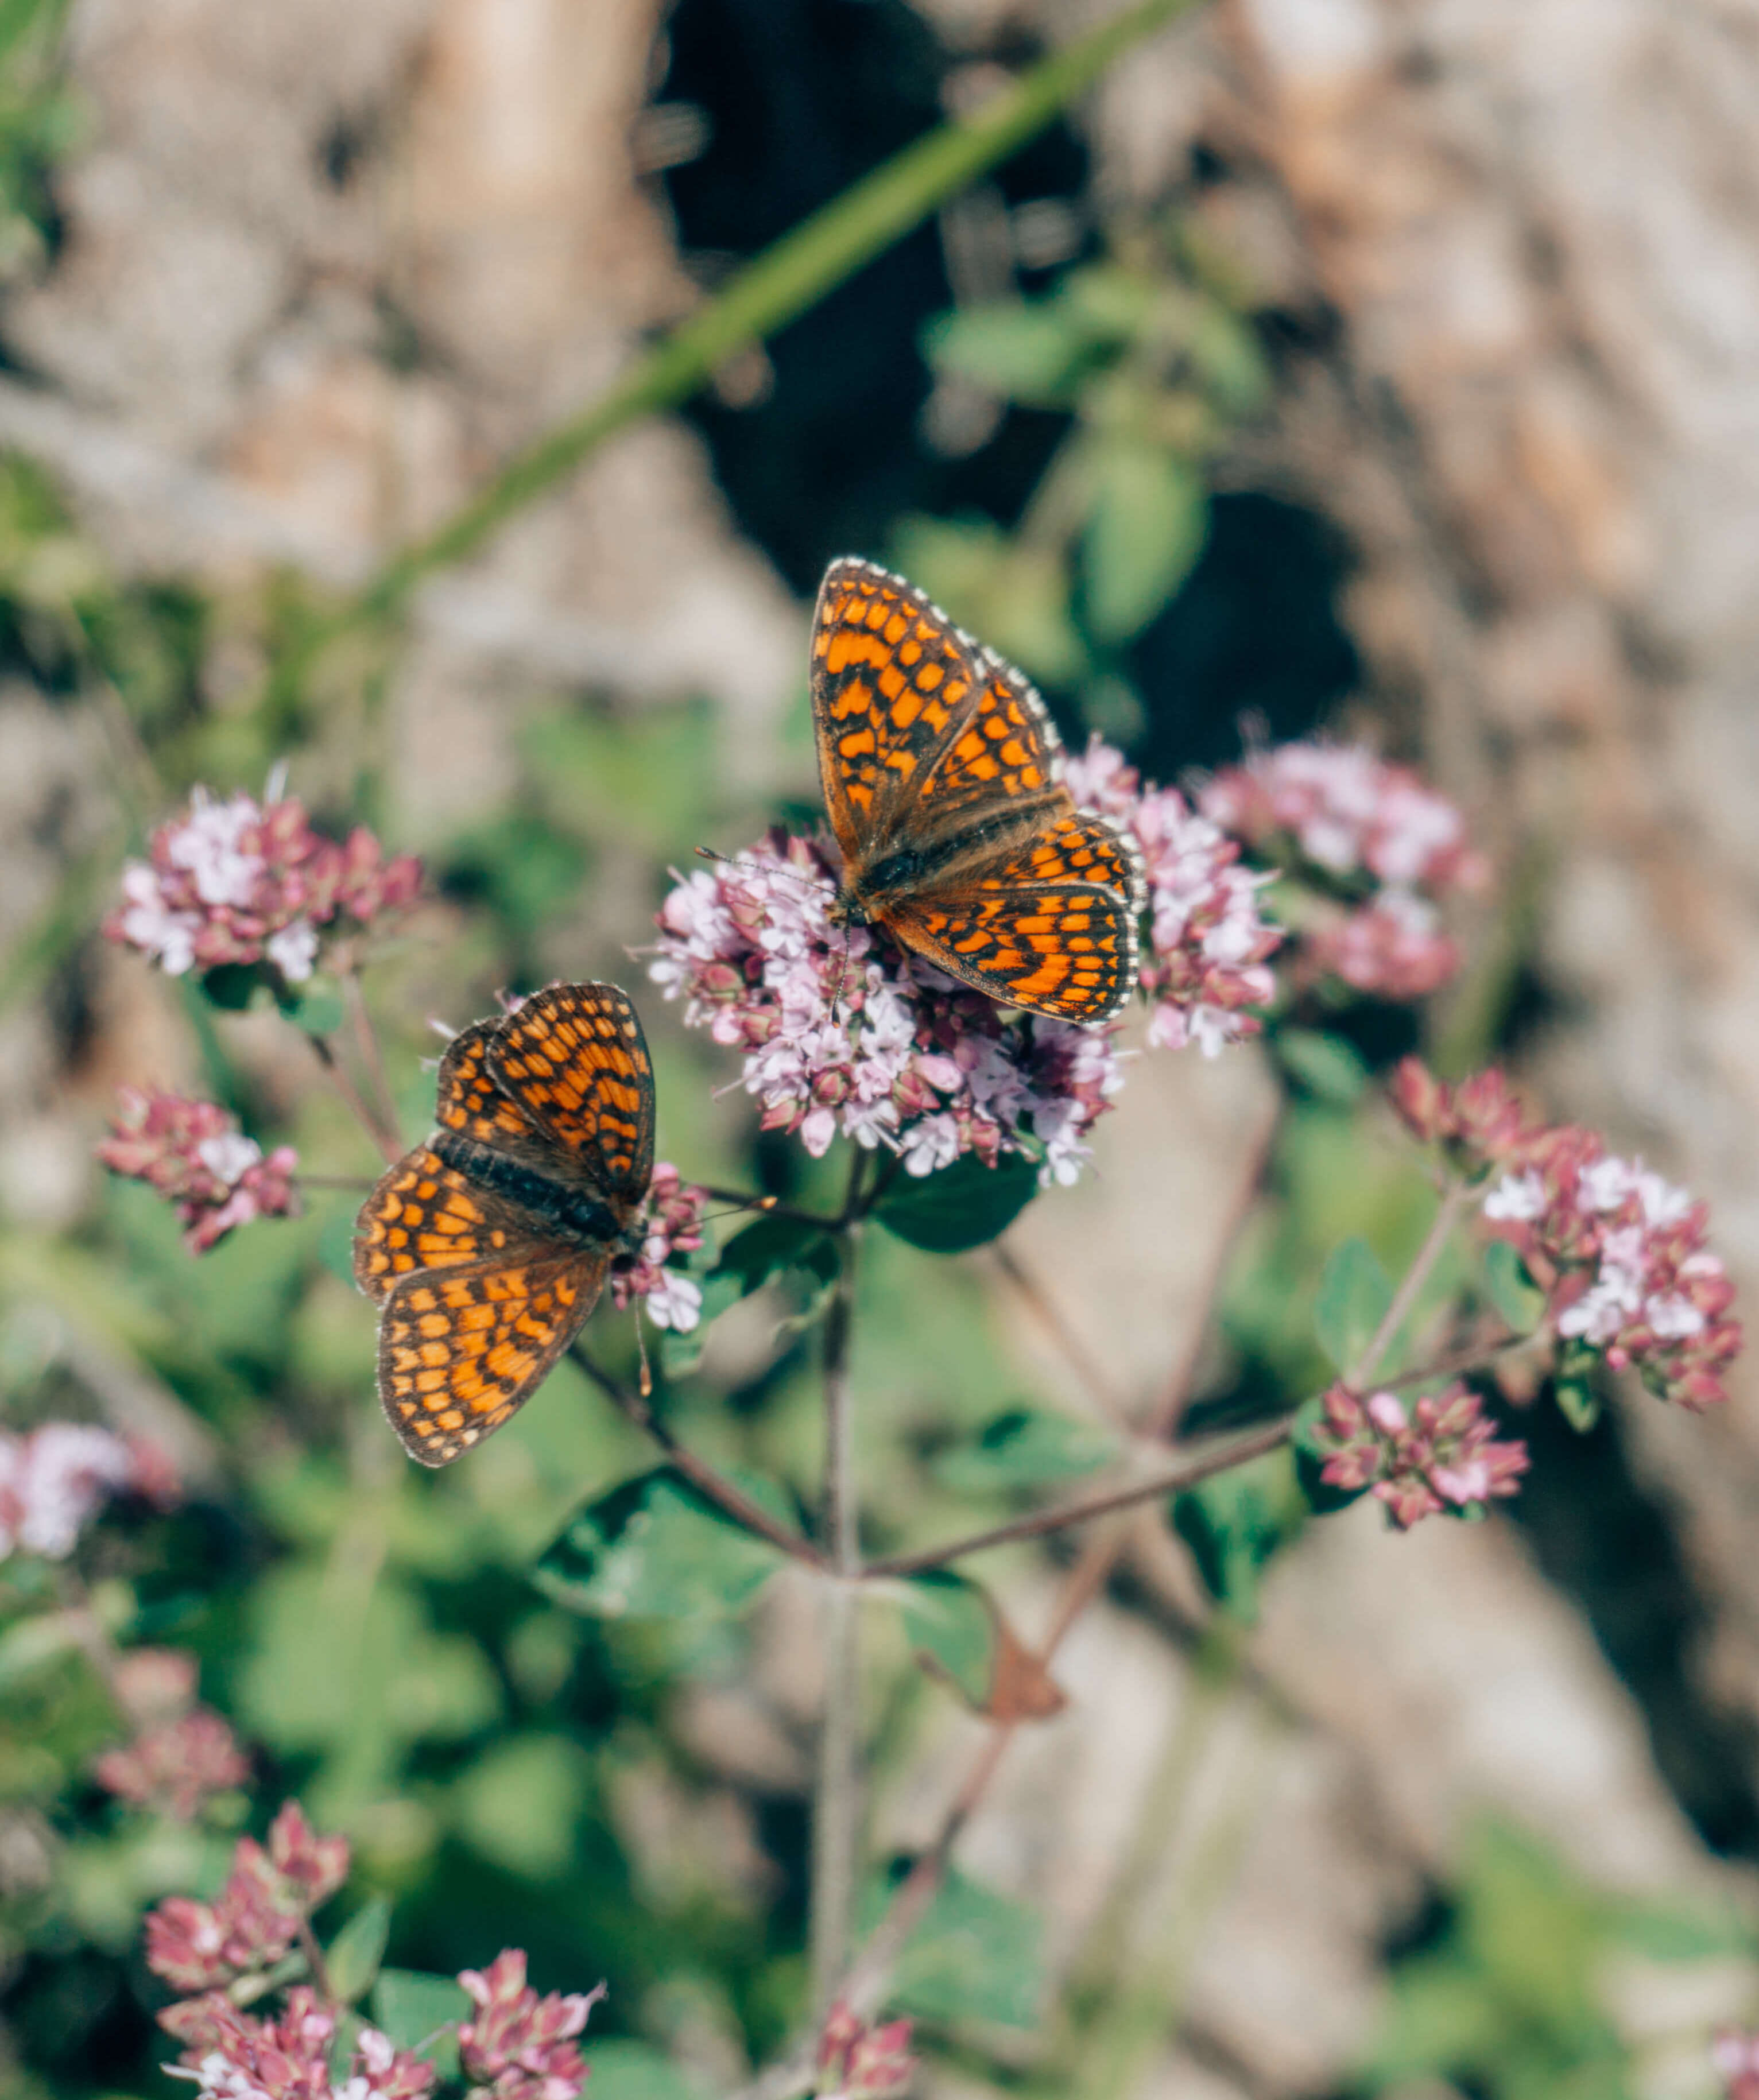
(837, 1804)
(720, 1490)
(367, 1041)
(1453, 1206)
(1218, 1457)
(785, 281)
(386, 1145)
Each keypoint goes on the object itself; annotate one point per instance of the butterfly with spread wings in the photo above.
(486, 1248)
(940, 772)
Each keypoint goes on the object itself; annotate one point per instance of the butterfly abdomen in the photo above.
(573, 1213)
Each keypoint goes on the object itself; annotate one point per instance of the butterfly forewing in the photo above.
(460, 1349)
(574, 1061)
(892, 679)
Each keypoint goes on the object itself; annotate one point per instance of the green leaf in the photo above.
(1354, 1294)
(1441, 2019)
(410, 2008)
(353, 1956)
(655, 1549)
(28, 1643)
(518, 1803)
(963, 1206)
(1024, 1448)
(316, 1007)
(1146, 523)
(632, 2071)
(1234, 1525)
(1666, 1934)
(769, 1247)
(1325, 1065)
(1579, 1403)
(1021, 352)
(766, 1248)
(976, 1956)
(1511, 1290)
(231, 987)
(948, 1618)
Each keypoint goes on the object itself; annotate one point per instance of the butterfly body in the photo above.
(940, 768)
(486, 1247)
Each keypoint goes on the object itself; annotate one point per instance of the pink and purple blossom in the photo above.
(201, 1947)
(1377, 847)
(517, 2046)
(1734, 2057)
(176, 1764)
(841, 1031)
(233, 2055)
(674, 1226)
(1440, 1455)
(195, 1155)
(240, 881)
(1206, 959)
(53, 1480)
(859, 2062)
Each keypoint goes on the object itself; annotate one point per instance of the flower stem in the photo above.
(786, 280)
(837, 1806)
(698, 1472)
(1453, 1204)
(1217, 1457)
(372, 1057)
(389, 1148)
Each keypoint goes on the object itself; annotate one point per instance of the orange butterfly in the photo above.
(486, 1248)
(940, 772)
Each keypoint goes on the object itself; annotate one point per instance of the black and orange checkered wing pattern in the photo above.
(422, 1215)
(460, 1349)
(1065, 950)
(574, 1061)
(1076, 846)
(891, 680)
(1006, 750)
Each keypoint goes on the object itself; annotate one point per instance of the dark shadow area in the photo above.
(1611, 1548)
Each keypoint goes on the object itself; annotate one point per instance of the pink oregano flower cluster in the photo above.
(842, 1031)
(514, 2044)
(244, 881)
(183, 1754)
(1734, 2057)
(1381, 848)
(54, 1480)
(1205, 960)
(233, 2055)
(195, 1155)
(269, 1895)
(1440, 1455)
(673, 1227)
(857, 2061)
(1620, 1253)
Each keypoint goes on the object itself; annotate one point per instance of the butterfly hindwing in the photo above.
(1066, 950)
(460, 1349)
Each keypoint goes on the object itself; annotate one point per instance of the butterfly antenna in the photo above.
(765, 867)
(646, 1381)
